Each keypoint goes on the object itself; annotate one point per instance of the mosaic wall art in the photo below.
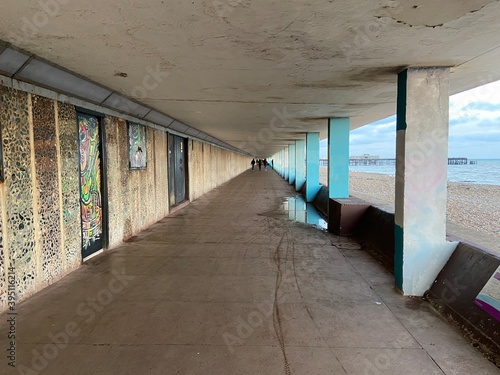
(68, 147)
(47, 186)
(18, 205)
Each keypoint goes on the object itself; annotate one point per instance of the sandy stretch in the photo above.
(473, 206)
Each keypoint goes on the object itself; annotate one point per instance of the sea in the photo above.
(485, 171)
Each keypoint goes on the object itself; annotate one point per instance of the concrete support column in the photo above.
(300, 164)
(291, 164)
(421, 249)
(280, 164)
(338, 157)
(312, 166)
(285, 156)
(282, 158)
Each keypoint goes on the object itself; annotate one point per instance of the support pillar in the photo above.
(338, 157)
(285, 156)
(312, 166)
(300, 164)
(344, 213)
(291, 164)
(421, 249)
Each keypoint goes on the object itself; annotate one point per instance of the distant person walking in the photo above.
(265, 164)
(253, 164)
(260, 164)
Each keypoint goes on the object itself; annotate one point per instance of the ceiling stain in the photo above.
(329, 85)
(379, 75)
(432, 13)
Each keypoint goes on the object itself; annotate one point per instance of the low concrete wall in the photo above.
(457, 285)
(455, 290)
(376, 230)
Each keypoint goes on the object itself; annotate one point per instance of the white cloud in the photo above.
(474, 130)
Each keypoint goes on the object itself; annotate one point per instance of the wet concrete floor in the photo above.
(221, 287)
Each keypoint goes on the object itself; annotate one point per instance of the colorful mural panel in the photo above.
(489, 297)
(90, 183)
(137, 146)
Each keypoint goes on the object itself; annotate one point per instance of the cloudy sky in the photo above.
(474, 128)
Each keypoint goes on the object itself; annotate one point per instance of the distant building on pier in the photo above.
(364, 157)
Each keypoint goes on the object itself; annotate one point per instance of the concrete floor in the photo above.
(219, 288)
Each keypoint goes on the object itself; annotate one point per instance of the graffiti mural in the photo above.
(90, 184)
(137, 146)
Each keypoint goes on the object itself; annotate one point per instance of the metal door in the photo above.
(177, 158)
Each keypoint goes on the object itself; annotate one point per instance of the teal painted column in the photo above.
(291, 164)
(338, 157)
(282, 158)
(287, 167)
(312, 166)
(282, 163)
(300, 164)
(421, 249)
(278, 162)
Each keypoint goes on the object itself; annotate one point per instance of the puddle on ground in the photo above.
(296, 209)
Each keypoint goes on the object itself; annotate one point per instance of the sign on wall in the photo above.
(137, 146)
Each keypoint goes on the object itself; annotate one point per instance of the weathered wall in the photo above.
(41, 237)
(137, 198)
(40, 219)
(211, 166)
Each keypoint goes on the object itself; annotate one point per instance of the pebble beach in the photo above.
(473, 206)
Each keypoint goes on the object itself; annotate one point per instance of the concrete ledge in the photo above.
(345, 214)
(455, 289)
(376, 230)
(321, 201)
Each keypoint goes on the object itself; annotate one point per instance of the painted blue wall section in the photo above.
(312, 166)
(291, 163)
(398, 256)
(338, 157)
(300, 164)
(401, 100)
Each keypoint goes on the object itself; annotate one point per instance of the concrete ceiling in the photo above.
(257, 74)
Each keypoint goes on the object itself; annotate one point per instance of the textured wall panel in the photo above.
(4, 263)
(150, 193)
(161, 177)
(47, 187)
(18, 188)
(124, 173)
(210, 167)
(68, 146)
(115, 204)
(132, 193)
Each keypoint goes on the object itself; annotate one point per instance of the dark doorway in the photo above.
(177, 169)
(93, 207)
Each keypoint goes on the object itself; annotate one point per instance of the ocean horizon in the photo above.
(485, 171)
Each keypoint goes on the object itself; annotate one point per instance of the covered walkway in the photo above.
(227, 285)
